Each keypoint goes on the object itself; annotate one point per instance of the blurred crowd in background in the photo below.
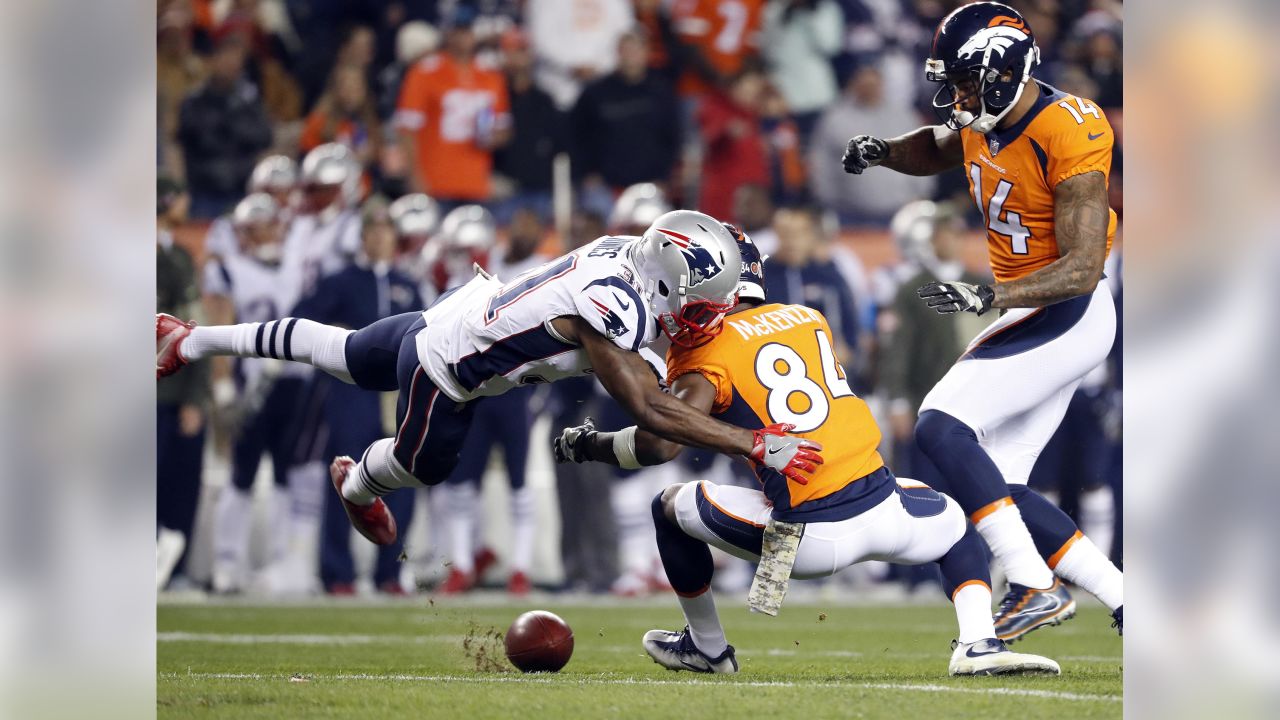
(348, 161)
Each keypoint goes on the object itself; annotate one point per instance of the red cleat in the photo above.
(373, 521)
(392, 588)
(342, 590)
(457, 583)
(170, 332)
(519, 584)
(484, 559)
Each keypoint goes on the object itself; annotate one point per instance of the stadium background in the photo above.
(288, 57)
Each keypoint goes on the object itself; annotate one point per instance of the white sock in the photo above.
(377, 474)
(1098, 516)
(973, 611)
(461, 500)
(704, 623)
(306, 341)
(1084, 565)
(637, 544)
(522, 529)
(1011, 543)
(279, 526)
(231, 521)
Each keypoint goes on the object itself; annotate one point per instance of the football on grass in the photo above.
(539, 641)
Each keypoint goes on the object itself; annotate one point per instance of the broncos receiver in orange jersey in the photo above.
(1037, 160)
(769, 364)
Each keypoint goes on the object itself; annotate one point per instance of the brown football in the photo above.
(539, 641)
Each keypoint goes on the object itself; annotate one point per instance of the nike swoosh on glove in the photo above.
(863, 152)
(793, 456)
(952, 297)
(572, 443)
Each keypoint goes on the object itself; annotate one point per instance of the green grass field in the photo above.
(426, 658)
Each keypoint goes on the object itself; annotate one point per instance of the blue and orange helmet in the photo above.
(751, 278)
(981, 52)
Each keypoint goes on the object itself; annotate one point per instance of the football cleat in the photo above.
(1118, 620)
(373, 521)
(676, 651)
(519, 584)
(1024, 609)
(485, 558)
(457, 583)
(170, 332)
(992, 657)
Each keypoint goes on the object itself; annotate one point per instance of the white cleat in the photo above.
(676, 651)
(992, 657)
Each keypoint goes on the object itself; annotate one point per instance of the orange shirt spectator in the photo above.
(723, 33)
(345, 114)
(453, 112)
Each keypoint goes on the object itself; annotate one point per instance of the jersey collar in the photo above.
(998, 139)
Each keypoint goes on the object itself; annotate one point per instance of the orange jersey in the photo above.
(775, 364)
(726, 32)
(1013, 173)
(449, 106)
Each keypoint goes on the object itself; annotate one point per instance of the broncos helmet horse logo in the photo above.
(996, 39)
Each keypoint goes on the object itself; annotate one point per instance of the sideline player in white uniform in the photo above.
(252, 285)
(589, 311)
(1037, 161)
(275, 175)
(850, 510)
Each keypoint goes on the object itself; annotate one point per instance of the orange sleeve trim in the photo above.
(986, 510)
(1056, 558)
(702, 489)
(966, 584)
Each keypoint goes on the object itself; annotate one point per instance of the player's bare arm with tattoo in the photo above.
(926, 151)
(1080, 218)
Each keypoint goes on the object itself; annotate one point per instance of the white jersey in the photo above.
(487, 337)
(259, 292)
(322, 248)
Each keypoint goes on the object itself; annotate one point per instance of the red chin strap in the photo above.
(696, 323)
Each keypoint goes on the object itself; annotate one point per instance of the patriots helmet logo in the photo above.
(996, 39)
(613, 324)
(702, 266)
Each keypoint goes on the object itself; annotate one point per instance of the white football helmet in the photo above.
(689, 265)
(274, 174)
(912, 229)
(255, 220)
(328, 168)
(638, 206)
(469, 227)
(415, 215)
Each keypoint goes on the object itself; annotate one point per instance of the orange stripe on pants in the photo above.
(1056, 558)
(966, 584)
(986, 510)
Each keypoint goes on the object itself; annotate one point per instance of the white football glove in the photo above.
(863, 152)
(952, 297)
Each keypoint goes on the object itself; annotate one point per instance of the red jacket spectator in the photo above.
(736, 149)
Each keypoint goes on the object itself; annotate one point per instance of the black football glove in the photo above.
(573, 443)
(863, 152)
(953, 297)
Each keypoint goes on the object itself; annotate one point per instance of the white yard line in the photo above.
(597, 680)
(352, 639)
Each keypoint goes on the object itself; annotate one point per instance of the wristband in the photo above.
(624, 449)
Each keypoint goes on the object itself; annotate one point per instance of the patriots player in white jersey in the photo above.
(590, 311)
(275, 175)
(252, 285)
(325, 236)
